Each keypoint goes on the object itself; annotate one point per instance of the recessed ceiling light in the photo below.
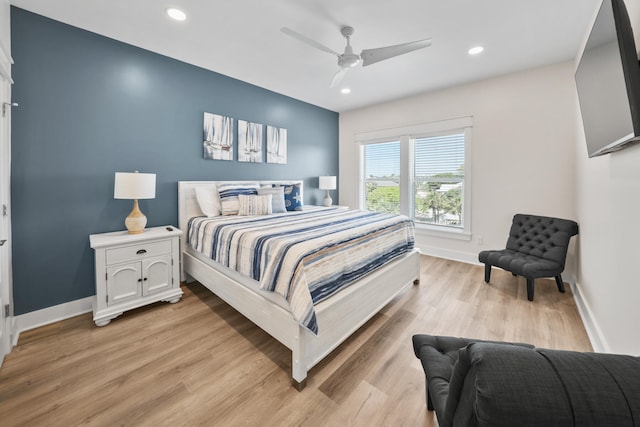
(476, 50)
(176, 14)
(345, 90)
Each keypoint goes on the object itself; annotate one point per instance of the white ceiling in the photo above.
(242, 39)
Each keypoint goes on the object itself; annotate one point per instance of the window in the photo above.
(382, 177)
(439, 180)
(420, 171)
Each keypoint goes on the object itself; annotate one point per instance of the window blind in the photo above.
(382, 177)
(439, 179)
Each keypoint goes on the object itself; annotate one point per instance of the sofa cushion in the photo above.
(603, 389)
(488, 383)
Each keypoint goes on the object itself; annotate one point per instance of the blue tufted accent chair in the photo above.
(537, 247)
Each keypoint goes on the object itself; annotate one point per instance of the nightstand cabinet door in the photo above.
(156, 274)
(124, 283)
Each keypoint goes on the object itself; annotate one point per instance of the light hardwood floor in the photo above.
(198, 362)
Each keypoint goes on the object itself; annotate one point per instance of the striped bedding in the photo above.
(305, 256)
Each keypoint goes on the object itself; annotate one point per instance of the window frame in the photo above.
(406, 135)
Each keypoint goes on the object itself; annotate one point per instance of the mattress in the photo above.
(304, 256)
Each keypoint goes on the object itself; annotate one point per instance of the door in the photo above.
(156, 274)
(124, 283)
(6, 298)
(6, 318)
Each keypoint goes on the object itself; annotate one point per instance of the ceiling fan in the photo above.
(349, 59)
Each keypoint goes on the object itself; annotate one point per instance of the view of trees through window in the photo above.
(382, 177)
(438, 179)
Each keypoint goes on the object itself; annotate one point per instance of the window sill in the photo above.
(444, 232)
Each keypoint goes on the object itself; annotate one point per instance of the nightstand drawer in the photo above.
(131, 253)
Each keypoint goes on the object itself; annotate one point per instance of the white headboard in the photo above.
(188, 204)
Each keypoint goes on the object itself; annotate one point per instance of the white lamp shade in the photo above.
(134, 185)
(327, 182)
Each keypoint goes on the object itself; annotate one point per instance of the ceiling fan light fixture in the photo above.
(348, 60)
(476, 50)
(176, 14)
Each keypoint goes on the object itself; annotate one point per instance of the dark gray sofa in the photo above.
(484, 383)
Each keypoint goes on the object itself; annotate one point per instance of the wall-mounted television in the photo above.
(608, 82)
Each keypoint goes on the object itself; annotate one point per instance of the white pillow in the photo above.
(208, 200)
(228, 193)
(254, 205)
(277, 203)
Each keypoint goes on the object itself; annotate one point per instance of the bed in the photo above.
(337, 317)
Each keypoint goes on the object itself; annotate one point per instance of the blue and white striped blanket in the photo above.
(305, 256)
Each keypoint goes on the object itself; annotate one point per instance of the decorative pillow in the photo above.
(277, 199)
(254, 205)
(292, 197)
(229, 193)
(208, 200)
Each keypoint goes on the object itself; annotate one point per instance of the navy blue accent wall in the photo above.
(91, 106)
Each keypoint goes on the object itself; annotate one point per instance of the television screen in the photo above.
(608, 81)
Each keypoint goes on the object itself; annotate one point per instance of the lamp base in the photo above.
(136, 221)
(327, 200)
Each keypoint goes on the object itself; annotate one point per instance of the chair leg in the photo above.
(530, 288)
(560, 283)
(487, 272)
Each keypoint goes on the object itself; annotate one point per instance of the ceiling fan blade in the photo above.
(307, 40)
(337, 79)
(371, 56)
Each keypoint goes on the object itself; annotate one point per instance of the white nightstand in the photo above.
(133, 270)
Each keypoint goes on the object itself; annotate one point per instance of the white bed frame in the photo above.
(338, 317)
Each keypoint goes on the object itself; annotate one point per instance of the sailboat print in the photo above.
(276, 145)
(249, 142)
(217, 137)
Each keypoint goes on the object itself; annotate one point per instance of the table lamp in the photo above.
(327, 183)
(134, 186)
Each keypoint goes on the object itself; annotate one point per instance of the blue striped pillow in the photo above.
(229, 195)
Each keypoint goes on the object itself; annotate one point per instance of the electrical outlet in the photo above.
(480, 241)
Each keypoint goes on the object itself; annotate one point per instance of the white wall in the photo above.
(608, 206)
(522, 150)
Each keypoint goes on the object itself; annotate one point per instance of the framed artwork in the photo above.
(249, 142)
(218, 137)
(276, 145)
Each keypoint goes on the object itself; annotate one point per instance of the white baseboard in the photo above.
(46, 316)
(598, 342)
(466, 257)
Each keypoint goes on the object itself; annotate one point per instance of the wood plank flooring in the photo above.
(199, 362)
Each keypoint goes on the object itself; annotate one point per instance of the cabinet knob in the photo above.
(141, 251)
(144, 279)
